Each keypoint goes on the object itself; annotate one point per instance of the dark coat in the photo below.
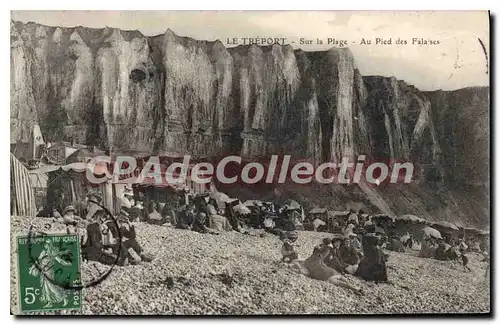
(372, 267)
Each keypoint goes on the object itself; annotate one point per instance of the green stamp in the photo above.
(49, 272)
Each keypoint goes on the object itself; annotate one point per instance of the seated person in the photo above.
(289, 222)
(462, 246)
(372, 267)
(199, 224)
(335, 227)
(356, 243)
(69, 217)
(349, 230)
(93, 248)
(334, 259)
(56, 214)
(129, 239)
(395, 245)
(169, 213)
(269, 223)
(48, 212)
(154, 217)
(288, 252)
(317, 222)
(218, 222)
(316, 268)
(93, 201)
(350, 256)
(353, 218)
(186, 218)
(441, 250)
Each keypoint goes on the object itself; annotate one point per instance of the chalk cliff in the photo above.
(169, 94)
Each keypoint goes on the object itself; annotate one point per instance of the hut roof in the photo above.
(82, 155)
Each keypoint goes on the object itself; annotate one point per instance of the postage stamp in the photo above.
(49, 272)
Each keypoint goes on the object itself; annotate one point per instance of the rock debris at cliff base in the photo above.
(233, 273)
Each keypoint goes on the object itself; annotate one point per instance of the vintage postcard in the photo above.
(250, 162)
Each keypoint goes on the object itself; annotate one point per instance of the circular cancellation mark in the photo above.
(69, 257)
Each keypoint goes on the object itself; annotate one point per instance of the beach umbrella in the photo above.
(292, 205)
(382, 216)
(410, 217)
(446, 224)
(338, 236)
(318, 211)
(251, 203)
(240, 208)
(220, 198)
(431, 232)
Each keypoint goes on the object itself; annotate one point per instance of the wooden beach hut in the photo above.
(22, 196)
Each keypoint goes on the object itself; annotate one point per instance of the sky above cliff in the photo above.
(458, 60)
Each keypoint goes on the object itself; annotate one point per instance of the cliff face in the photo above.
(170, 94)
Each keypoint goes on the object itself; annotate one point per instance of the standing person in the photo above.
(462, 246)
(465, 261)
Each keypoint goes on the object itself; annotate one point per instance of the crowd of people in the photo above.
(354, 248)
(112, 239)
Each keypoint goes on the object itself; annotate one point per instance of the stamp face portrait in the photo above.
(49, 272)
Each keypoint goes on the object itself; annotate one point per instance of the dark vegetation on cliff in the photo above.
(166, 94)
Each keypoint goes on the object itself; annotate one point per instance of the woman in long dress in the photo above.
(315, 267)
(50, 292)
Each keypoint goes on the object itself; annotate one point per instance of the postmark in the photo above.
(94, 271)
